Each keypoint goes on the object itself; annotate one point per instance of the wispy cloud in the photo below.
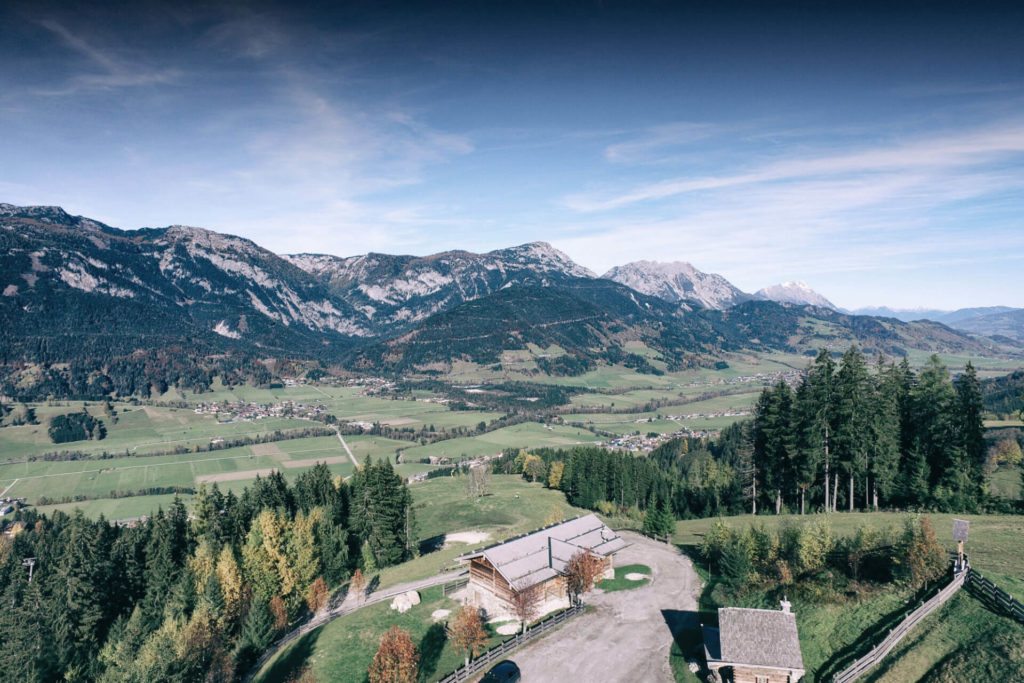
(935, 153)
(656, 142)
(109, 70)
(837, 218)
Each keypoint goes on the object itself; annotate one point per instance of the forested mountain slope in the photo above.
(72, 287)
(592, 320)
(395, 292)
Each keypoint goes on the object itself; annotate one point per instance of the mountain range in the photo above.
(73, 288)
(991, 321)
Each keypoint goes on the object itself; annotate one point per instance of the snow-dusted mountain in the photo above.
(73, 288)
(794, 293)
(65, 276)
(393, 292)
(678, 282)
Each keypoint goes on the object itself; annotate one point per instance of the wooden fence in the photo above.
(498, 652)
(879, 651)
(993, 596)
(453, 587)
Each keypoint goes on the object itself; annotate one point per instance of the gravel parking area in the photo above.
(626, 637)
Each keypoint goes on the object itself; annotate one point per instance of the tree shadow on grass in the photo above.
(873, 635)
(430, 650)
(432, 544)
(293, 659)
(685, 627)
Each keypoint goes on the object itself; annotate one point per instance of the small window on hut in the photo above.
(761, 679)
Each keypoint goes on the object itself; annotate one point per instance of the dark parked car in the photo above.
(502, 672)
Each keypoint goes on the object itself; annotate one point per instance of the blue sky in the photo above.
(876, 153)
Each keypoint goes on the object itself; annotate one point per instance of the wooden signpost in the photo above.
(960, 529)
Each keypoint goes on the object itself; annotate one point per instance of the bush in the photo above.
(925, 558)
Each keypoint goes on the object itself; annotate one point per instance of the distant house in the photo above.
(538, 559)
(754, 646)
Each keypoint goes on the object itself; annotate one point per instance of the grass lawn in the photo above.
(621, 583)
(343, 649)
(963, 641)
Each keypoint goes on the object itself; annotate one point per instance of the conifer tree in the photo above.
(854, 403)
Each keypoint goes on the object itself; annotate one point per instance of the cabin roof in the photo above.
(754, 637)
(543, 554)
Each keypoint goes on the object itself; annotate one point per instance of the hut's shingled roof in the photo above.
(543, 554)
(759, 637)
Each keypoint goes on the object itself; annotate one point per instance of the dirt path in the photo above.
(628, 635)
(355, 463)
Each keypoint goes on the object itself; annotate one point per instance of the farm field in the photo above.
(139, 429)
(118, 508)
(349, 404)
(231, 468)
(519, 366)
(524, 435)
(142, 429)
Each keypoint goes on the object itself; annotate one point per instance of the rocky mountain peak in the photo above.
(678, 282)
(794, 292)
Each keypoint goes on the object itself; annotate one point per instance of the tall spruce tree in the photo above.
(774, 443)
(885, 434)
(935, 431)
(971, 429)
(821, 378)
(853, 409)
(807, 451)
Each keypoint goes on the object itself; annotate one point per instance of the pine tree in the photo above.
(851, 437)
(821, 396)
(915, 477)
(807, 451)
(81, 577)
(971, 429)
(26, 650)
(884, 434)
(774, 444)
(257, 633)
(934, 412)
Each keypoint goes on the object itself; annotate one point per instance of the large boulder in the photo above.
(405, 601)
